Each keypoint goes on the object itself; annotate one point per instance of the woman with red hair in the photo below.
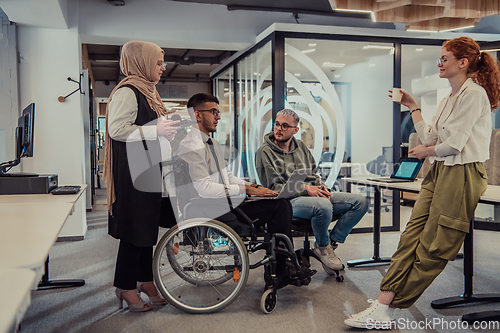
(457, 143)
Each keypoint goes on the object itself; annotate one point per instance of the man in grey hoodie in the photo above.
(276, 160)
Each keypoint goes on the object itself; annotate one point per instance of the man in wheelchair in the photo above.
(211, 179)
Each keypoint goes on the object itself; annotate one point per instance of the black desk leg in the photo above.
(376, 259)
(468, 296)
(46, 283)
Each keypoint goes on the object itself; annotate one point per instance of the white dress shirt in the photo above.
(194, 150)
(122, 114)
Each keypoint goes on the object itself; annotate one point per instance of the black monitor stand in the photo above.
(6, 166)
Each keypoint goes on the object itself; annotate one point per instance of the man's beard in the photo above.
(283, 139)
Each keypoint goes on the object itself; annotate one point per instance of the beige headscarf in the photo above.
(137, 62)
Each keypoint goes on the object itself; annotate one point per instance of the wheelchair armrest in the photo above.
(236, 200)
(212, 207)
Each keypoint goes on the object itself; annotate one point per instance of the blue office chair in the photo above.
(326, 157)
(379, 167)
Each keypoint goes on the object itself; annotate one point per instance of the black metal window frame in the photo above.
(278, 38)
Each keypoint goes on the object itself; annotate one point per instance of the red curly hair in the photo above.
(483, 68)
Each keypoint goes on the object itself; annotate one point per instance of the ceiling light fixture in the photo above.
(381, 47)
(309, 51)
(459, 28)
(422, 15)
(330, 64)
(419, 49)
(416, 30)
(337, 76)
(491, 50)
(353, 10)
(312, 44)
(297, 74)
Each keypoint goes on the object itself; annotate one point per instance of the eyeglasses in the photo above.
(284, 127)
(162, 64)
(214, 111)
(441, 61)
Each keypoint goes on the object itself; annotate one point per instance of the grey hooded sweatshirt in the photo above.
(274, 165)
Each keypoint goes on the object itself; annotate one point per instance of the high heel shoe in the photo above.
(140, 306)
(154, 300)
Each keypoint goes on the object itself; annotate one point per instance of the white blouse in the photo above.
(461, 128)
(121, 118)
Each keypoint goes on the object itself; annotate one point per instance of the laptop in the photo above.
(291, 186)
(406, 170)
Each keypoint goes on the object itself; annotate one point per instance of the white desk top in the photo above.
(15, 288)
(28, 231)
(491, 196)
(41, 198)
(404, 186)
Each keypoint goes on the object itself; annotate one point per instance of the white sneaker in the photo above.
(328, 256)
(378, 316)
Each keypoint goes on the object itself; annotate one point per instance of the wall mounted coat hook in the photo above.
(63, 98)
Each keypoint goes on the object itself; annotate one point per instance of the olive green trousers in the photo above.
(440, 219)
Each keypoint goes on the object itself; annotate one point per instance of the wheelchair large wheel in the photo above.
(200, 266)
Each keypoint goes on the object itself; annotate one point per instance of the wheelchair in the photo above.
(201, 264)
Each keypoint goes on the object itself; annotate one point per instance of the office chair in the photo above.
(377, 166)
(324, 165)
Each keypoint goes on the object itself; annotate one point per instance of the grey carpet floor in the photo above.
(321, 306)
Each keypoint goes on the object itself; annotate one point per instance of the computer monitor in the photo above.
(24, 142)
(27, 122)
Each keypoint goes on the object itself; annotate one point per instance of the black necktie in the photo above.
(212, 149)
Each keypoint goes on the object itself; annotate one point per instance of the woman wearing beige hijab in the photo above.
(134, 127)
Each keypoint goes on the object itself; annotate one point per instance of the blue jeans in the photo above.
(319, 210)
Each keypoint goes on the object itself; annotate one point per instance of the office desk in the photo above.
(378, 187)
(29, 228)
(491, 196)
(15, 288)
(28, 231)
(42, 198)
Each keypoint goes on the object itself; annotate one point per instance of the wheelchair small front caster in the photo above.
(268, 301)
(333, 272)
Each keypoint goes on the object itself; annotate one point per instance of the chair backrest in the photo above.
(327, 157)
(492, 165)
(378, 166)
(184, 187)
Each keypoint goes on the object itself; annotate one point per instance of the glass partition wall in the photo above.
(338, 84)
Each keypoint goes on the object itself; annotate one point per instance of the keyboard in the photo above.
(67, 189)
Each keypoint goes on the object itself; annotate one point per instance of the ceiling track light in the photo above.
(459, 28)
(309, 51)
(380, 47)
(337, 65)
(417, 30)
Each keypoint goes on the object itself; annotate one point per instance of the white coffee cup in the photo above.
(397, 95)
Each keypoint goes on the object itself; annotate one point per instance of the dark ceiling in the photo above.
(183, 64)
